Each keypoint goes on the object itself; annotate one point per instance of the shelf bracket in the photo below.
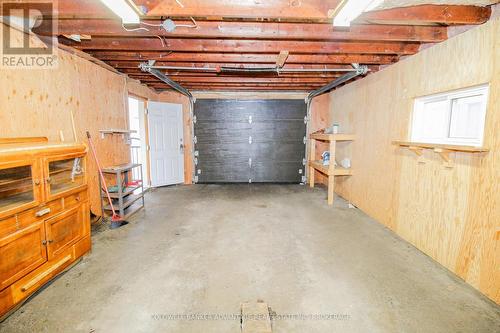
(419, 152)
(445, 155)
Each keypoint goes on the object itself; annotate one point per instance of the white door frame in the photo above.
(166, 142)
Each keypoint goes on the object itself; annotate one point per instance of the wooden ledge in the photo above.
(438, 148)
(443, 150)
(337, 171)
(332, 137)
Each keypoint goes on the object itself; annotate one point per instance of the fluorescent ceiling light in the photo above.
(351, 9)
(124, 9)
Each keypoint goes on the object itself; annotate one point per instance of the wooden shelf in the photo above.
(434, 146)
(332, 137)
(441, 149)
(337, 171)
(329, 170)
(116, 131)
(128, 201)
(126, 191)
(125, 133)
(120, 168)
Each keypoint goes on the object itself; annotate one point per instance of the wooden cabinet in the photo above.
(44, 215)
(21, 252)
(65, 229)
(21, 186)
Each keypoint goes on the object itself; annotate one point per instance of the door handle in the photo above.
(181, 146)
(42, 212)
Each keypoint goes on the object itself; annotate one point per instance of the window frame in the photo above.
(449, 97)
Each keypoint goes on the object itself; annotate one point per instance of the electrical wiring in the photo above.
(194, 25)
(162, 41)
(135, 29)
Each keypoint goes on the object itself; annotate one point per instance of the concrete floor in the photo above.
(205, 249)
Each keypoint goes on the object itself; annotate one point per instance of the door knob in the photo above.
(181, 146)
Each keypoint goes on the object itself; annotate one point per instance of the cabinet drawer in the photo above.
(21, 252)
(75, 199)
(25, 219)
(40, 213)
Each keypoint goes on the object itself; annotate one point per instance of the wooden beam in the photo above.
(243, 46)
(250, 30)
(280, 61)
(311, 9)
(428, 14)
(278, 9)
(247, 58)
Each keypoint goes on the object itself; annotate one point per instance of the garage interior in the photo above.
(250, 166)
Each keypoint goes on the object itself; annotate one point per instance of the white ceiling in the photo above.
(404, 3)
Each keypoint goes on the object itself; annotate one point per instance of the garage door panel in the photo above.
(215, 152)
(282, 109)
(221, 111)
(278, 131)
(221, 136)
(255, 140)
(232, 172)
(277, 151)
(271, 171)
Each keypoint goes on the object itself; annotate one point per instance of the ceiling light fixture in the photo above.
(125, 9)
(349, 10)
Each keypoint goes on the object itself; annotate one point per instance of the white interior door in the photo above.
(166, 143)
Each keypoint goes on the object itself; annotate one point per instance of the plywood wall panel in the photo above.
(319, 119)
(39, 102)
(453, 215)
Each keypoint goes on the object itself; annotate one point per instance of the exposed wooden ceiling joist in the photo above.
(429, 15)
(252, 30)
(244, 46)
(251, 34)
(244, 58)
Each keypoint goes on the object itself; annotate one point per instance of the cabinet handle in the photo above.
(44, 242)
(77, 198)
(46, 273)
(50, 241)
(48, 180)
(42, 212)
(37, 182)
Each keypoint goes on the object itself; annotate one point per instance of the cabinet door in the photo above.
(64, 174)
(21, 252)
(20, 186)
(65, 229)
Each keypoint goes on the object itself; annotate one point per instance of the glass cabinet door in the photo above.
(65, 175)
(17, 188)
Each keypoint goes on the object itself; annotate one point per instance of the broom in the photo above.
(116, 220)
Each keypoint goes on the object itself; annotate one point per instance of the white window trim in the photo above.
(449, 96)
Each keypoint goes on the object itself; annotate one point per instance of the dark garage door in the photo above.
(249, 140)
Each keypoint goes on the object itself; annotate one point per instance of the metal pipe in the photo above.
(256, 69)
(359, 70)
(307, 70)
(248, 70)
(202, 69)
(147, 67)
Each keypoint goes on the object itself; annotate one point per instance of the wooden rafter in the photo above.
(250, 34)
(428, 15)
(251, 30)
(244, 58)
(244, 46)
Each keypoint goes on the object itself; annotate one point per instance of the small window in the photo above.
(454, 118)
